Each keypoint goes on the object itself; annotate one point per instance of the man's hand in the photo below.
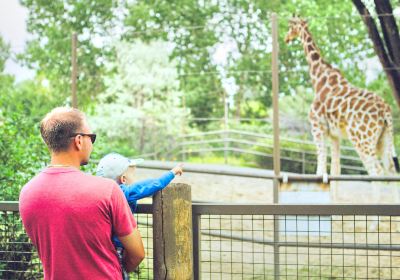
(178, 170)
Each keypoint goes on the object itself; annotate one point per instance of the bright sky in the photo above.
(13, 30)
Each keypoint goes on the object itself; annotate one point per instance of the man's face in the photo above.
(87, 146)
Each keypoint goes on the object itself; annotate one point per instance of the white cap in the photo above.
(114, 165)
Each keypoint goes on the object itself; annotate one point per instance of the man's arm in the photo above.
(134, 250)
(124, 226)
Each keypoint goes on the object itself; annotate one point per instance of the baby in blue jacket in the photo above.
(122, 170)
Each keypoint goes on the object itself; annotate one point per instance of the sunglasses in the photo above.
(92, 136)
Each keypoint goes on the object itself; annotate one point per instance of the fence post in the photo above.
(172, 233)
(277, 156)
(196, 247)
(74, 70)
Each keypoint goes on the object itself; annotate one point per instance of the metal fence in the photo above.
(314, 241)
(297, 156)
(144, 219)
(237, 241)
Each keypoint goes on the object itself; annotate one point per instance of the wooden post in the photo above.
(172, 233)
(74, 71)
(277, 156)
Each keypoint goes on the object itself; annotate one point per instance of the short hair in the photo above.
(57, 127)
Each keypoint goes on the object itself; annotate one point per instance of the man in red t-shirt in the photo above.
(71, 216)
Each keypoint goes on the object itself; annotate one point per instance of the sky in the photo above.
(13, 30)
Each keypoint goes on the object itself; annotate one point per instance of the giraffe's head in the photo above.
(296, 25)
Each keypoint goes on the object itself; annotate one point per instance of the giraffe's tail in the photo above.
(395, 160)
(390, 159)
(396, 164)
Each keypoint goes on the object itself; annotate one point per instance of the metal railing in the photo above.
(299, 155)
(267, 174)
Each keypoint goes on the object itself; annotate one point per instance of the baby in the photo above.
(122, 170)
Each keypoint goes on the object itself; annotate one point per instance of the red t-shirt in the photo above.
(70, 217)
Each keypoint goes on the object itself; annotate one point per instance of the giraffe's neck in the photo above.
(317, 66)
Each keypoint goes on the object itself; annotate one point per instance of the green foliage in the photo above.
(22, 152)
(4, 54)
(183, 23)
(141, 114)
(49, 52)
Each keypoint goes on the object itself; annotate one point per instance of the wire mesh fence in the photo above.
(308, 246)
(18, 257)
(242, 241)
(145, 270)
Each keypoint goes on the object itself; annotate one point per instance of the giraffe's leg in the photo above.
(367, 150)
(335, 154)
(319, 140)
(372, 164)
(319, 135)
(335, 168)
(374, 168)
(386, 151)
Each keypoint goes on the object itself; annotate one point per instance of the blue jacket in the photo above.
(142, 189)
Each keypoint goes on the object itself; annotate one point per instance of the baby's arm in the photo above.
(148, 187)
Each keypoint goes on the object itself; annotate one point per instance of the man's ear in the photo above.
(78, 143)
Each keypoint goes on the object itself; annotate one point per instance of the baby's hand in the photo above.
(178, 170)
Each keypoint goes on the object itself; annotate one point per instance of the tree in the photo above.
(49, 52)
(388, 47)
(142, 104)
(22, 152)
(184, 23)
(197, 28)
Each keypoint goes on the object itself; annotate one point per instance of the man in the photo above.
(71, 216)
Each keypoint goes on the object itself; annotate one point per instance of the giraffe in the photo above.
(340, 110)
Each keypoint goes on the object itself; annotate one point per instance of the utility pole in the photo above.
(74, 72)
(277, 155)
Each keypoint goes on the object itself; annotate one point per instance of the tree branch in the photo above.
(392, 73)
(373, 34)
(389, 29)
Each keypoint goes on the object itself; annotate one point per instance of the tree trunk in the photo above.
(239, 97)
(389, 29)
(388, 50)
